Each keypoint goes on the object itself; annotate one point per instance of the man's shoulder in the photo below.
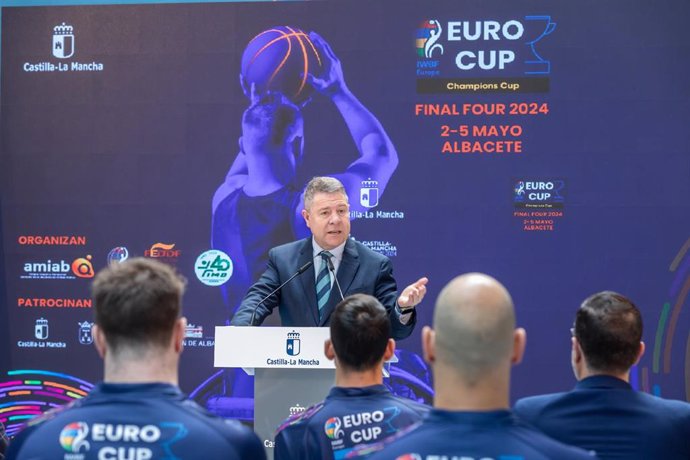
(531, 404)
(410, 405)
(289, 248)
(667, 407)
(536, 440)
(302, 419)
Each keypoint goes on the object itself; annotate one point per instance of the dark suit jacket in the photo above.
(361, 271)
(606, 415)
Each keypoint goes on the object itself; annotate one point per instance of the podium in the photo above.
(290, 370)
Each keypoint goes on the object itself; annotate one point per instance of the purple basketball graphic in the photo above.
(279, 59)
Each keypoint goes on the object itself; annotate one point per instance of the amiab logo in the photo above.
(59, 269)
(82, 267)
(73, 437)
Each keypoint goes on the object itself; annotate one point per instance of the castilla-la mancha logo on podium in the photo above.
(292, 346)
(63, 41)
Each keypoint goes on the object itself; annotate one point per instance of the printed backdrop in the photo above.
(546, 145)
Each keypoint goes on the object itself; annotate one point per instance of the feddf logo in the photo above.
(63, 41)
(292, 345)
(73, 437)
(213, 267)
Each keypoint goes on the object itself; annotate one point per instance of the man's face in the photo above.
(328, 218)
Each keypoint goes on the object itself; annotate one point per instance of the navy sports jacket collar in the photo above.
(349, 392)
(143, 389)
(603, 382)
(471, 418)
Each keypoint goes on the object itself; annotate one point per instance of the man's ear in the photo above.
(429, 344)
(519, 344)
(328, 350)
(389, 351)
(178, 334)
(305, 215)
(99, 341)
(641, 352)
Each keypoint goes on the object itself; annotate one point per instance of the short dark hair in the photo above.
(360, 329)
(137, 302)
(608, 327)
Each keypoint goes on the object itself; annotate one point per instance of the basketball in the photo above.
(279, 59)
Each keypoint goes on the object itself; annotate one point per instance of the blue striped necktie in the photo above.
(323, 282)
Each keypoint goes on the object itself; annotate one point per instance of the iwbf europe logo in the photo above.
(463, 54)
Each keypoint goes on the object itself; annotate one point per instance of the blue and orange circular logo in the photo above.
(333, 429)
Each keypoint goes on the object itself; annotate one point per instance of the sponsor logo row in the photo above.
(194, 336)
(212, 267)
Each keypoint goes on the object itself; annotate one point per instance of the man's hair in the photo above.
(323, 184)
(474, 320)
(608, 327)
(360, 329)
(274, 121)
(137, 302)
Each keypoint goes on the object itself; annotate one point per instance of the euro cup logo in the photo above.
(333, 428)
(369, 193)
(292, 347)
(428, 35)
(73, 437)
(63, 41)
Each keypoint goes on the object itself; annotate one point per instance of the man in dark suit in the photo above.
(310, 299)
(603, 413)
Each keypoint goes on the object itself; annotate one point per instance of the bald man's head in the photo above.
(474, 323)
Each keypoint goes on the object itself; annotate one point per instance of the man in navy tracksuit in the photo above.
(138, 412)
(603, 413)
(3, 441)
(359, 409)
(471, 349)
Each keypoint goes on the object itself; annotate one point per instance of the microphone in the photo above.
(332, 269)
(299, 271)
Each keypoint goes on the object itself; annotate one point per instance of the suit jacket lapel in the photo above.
(308, 280)
(346, 274)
